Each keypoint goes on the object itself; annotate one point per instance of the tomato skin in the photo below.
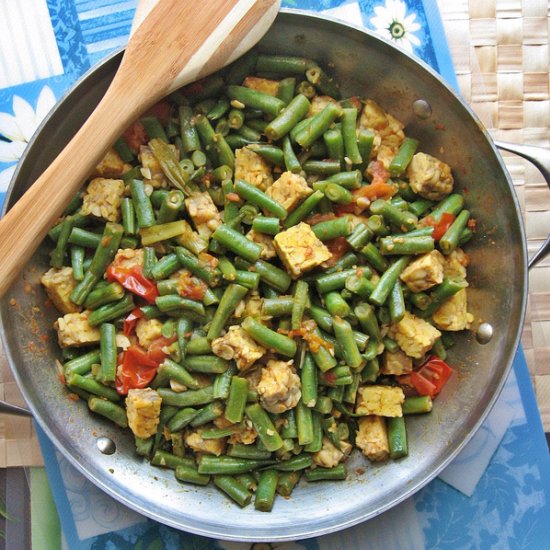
(191, 287)
(131, 321)
(432, 375)
(133, 280)
(137, 367)
(440, 227)
(135, 136)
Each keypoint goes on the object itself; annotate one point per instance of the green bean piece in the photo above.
(112, 311)
(287, 482)
(232, 488)
(324, 404)
(291, 161)
(334, 143)
(170, 207)
(269, 338)
(255, 99)
(404, 155)
(207, 414)
(209, 364)
(128, 216)
(373, 256)
(153, 128)
(239, 450)
(165, 267)
(450, 239)
(367, 318)
(162, 232)
(406, 221)
(189, 474)
(142, 204)
(167, 286)
(336, 305)
(377, 225)
(322, 82)
(169, 460)
(278, 307)
(237, 243)
(322, 318)
(301, 298)
(173, 371)
(289, 429)
(271, 153)
(318, 125)
(286, 89)
(236, 141)
(387, 281)
(227, 465)
(451, 204)
(268, 226)
(327, 474)
(236, 401)
(222, 383)
(360, 236)
(349, 123)
(344, 336)
(439, 349)
(304, 423)
(108, 353)
(264, 426)
(333, 281)
(181, 419)
(174, 302)
(265, 493)
(396, 303)
(92, 386)
(316, 443)
(224, 152)
(397, 437)
(249, 133)
(308, 378)
(200, 269)
(465, 236)
(283, 64)
(401, 245)
(420, 206)
(235, 119)
(104, 294)
(241, 68)
(322, 167)
(188, 398)
(199, 345)
(144, 446)
(77, 262)
(365, 141)
(295, 111)
(220, 108)
(323, 358)
(78, 221)
(183, 332)
(338, 194)
(331, 229)
(109, 410)
(82, 364)
(231, 297)
(441, 293)
(305, 208)
(207, 137)
(417, 404)
(255, 196)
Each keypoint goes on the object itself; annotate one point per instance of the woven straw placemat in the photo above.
(500, 50)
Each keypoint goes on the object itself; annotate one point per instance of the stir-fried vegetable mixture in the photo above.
(259, 277)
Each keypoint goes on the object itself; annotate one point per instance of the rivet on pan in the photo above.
(422, 109)
(484, 333)
(106, 445)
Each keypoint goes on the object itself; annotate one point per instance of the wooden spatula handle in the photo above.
(179, 41)
(27, 222)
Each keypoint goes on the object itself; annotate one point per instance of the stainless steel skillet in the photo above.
(366, 66)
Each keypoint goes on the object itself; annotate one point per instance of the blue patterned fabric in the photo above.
(509, 506)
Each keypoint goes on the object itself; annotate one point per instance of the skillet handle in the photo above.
(7, 408)
(540, 157)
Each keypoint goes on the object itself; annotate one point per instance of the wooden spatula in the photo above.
(176, 43)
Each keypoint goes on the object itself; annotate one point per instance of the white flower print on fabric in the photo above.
(19, 128)
(392, 22)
